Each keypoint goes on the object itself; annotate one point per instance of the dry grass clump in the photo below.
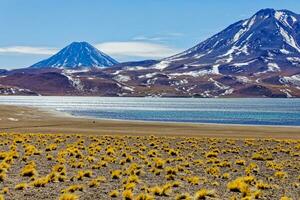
(127, 195)
(29, 169)
(194, 180)
(144, 197)
(73, 188)
(280, 174)
(2, 176)
(203, 193)
(147, 167)
(185, 196)
(114, 194)
(51, 147)
(240, 162)
(239, 185)
(116, 174)
(68, 196)
(262, 185)
(5, 190)
(21, 186)
(41, 182)
(83, 174)
(162, 191)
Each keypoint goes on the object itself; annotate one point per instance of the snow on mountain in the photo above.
(295, 80)
(77, 55)
(264, 42)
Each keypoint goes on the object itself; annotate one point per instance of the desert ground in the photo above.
(49, 155)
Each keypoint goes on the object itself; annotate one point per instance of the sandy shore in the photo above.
(33, 120)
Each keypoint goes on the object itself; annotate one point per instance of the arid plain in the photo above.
(49, 155)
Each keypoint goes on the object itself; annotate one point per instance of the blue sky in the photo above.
(32, 30)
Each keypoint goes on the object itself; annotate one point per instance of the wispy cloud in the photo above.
(31, 50)
(137, 49)
(129, 49)
(157, 37)
(147, 38)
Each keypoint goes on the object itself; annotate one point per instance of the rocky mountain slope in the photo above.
(255, 57)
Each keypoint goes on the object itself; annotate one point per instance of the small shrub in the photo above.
(280, 174)
(73, 188)
(240, 162)
(29, 170)
(114, 194)
(127, 195)
(285, 198)
(41, 182)
(144, 197)
(194, 180)
(116, 174)
(68, 196)
(185, 196)
(2, 176)
(203, 193)
(239, 185)
(21, 186)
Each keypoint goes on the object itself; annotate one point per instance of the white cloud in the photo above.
(137, 49)
(145, 38)
(129, 49)
(28, 50)
(157, 37)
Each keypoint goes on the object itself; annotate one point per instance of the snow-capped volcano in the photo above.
(77, 55)
(267, 41)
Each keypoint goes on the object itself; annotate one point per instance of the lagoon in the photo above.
(242, 111)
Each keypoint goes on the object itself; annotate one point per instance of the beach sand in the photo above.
(33, 120)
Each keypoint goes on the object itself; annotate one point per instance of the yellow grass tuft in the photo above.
(29, 169)
(114, 193)
(239, 185)
(116, 174)
(194, 180)
(21, 186)
(185, 196)
(2, 176)
(285, 198)
(69, 196)
(203, 193)
(41, 182)
(127, 195)
(280, 174)
(144, 197)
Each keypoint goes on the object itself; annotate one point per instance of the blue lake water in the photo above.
(224, 111)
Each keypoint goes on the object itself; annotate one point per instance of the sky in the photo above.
(127, 30)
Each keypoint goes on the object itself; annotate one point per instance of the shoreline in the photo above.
(184, 123)
(25, 119)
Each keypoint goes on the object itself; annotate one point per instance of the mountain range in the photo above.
(255, 57)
